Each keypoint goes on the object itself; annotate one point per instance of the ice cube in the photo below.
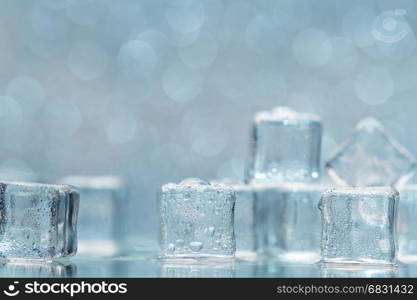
(197, 219)
(197, 269)
(244, 218)
(369, 157)
(101, 220)
(407, 224)
(288, 224)
(286, 146)
(358, 225)
(37, 221)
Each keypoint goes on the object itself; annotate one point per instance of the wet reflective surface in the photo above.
(145, 263)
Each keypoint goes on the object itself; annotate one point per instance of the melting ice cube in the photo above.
(370, 157)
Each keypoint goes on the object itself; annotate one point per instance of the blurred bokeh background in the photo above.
(160, 90)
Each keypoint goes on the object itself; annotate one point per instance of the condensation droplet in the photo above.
(196, 246)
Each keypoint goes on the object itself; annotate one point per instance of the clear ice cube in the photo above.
(197, 219)
(407, 224)
(369, 157)
(287, 221)
(100, 221)
(358, 225)
(38, 221)
(244, 218)
(286, 146)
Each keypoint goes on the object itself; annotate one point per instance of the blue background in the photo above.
(161, 90)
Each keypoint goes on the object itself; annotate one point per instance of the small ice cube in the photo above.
(100, 220)
(244, 219)
(286, 146)
(197, 219)
(288, 222)
(358, 225)
(38, 221)
(407, 223)
(370, 157)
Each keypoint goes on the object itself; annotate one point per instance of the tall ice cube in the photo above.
(197, 220)
(370, 157)
(407, 223)
(286, 146)
(244, 218)
(37, 221)
(101, 217)
(358, 225)
(288, 223)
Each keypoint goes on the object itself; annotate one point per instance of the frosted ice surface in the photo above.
(370, 157)
(286, 146)
(358, 225)
(100, 221)
(197, 219)
(38, 221)
(284, 114)
(244, 219)
(288, 225)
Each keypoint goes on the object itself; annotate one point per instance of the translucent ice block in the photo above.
(38, 221)
(100, 220)
(369, 157)
(358, 225)
(197, 220)
(286, 146)
(244, 220)
(407, 223)
(288, 224)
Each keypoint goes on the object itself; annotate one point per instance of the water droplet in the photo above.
(171, 247)
(196, 246)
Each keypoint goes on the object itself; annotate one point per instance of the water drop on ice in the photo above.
(171, 247)
(196, 246)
